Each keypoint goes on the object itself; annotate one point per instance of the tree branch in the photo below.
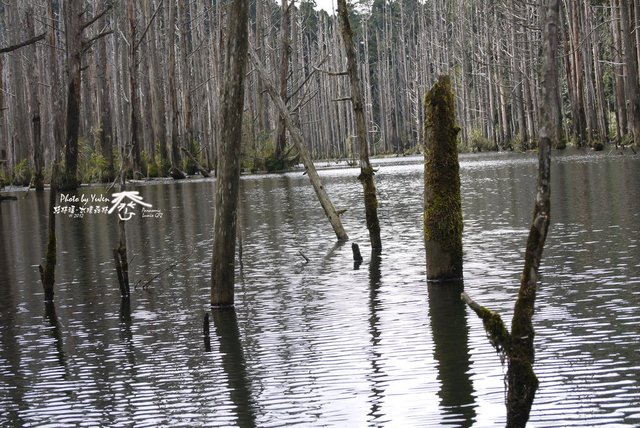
(23, 44)
(87, 43)
(144, 33)
(493, 325)
(96, 17)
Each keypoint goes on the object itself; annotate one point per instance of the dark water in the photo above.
(319, 343)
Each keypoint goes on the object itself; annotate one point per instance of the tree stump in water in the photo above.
(442, 206)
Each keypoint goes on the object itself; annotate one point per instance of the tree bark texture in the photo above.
(228, 182)
(442, 205)
(366, 176)
(73, 33)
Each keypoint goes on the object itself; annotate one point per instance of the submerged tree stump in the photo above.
(442, 206)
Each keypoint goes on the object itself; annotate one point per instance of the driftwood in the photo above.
(176, 174)
(200, 168)
(8, 198)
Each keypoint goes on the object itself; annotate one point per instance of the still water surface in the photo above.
(322, 343)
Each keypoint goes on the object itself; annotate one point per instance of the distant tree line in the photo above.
(97, 81)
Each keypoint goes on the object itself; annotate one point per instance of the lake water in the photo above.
(320, 343)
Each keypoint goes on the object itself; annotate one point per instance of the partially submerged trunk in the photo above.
(228, 183)
(357, 101)
(296, 135)
(442, 206)
(517, 346)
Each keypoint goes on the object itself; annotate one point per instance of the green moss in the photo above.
(442, 206)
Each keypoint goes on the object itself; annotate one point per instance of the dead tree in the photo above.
(228, 183)
(357, 101)
(442, 206)
(517, 345)
(296, 135)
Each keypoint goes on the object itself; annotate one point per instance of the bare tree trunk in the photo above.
(630, 59)
(228, 183)
(134, 121)
(366, 170)
(298, 141)
(173, 91)
(106, 124)
(73, 33)
(156, 94)
(285, 29)
(33, 84)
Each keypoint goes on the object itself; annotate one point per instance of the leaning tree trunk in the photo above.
(442, 206)
(48, 272)
(366, 170)
(296, 135)
(228, 183)
(518, 346)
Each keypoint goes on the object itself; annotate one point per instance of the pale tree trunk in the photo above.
(630, 59)
(228, 183)
(298, 141)
(285, 29)
(366, 170)
(173, 91)
(518, 346)
(157, 100)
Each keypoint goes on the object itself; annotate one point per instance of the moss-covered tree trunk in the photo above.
(228, 183)
(518, 346)
(357, 101)
(442, 206)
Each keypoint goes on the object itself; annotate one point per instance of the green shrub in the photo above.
(22, 173)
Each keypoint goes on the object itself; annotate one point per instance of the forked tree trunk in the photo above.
(228, 183)
(518, 346)
(357, 101)
(298, 141)
(442, 206)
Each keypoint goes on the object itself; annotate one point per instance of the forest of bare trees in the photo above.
(92, 80)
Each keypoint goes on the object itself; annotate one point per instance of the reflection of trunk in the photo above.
(298, 141)
(357, 101)
(442, 206)
(120, 253)
(233, 363)
(228, 168)
(451, 351)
